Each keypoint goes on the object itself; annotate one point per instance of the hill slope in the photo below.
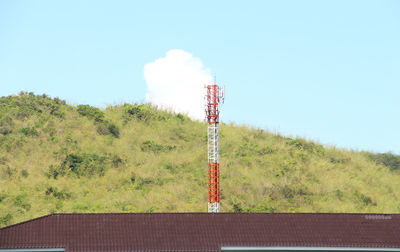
(135, 158)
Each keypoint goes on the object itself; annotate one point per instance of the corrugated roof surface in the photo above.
(201, 231)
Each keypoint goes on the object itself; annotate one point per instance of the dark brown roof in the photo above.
(201, 231)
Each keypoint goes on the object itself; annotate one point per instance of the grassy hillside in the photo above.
(135, 158)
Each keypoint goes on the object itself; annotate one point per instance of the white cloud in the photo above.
(177, 81)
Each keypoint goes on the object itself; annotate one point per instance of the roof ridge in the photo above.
(154, 213)
(195, 213)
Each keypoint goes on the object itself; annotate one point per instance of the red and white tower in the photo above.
(215, 96)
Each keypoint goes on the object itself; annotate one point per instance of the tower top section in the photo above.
(214, 97)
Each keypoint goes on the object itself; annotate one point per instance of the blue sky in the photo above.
(324, 70)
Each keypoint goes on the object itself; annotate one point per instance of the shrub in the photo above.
(117, 161)
(288, 192)
(29, 132)
(11, 141)
(113, 130)
(85, 164)
(27, 104)
(53, 105)
(8, 171)
(4, 130)
(107, 128)
(237, 208)
(55, 111)
(262, 209)
(140, 182)
(6, 125)
(181, 117)
(266, 150)
(104, 127)
(170, 167)
(53, 172)
(364, 199)
(91, 112)
(6, 219)
(24, 173)
(149, 145)
(387, 159)
(59, 194)
(140, 112)
(304, 145)
(337, 160)
(20, 201)
(133, 178)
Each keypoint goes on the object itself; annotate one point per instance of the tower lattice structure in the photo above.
(214, 97)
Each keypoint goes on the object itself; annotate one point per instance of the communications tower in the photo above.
(214, 97)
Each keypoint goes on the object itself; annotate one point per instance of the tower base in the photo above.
(213, 207)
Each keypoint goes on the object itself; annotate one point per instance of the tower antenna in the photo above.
(214, 97)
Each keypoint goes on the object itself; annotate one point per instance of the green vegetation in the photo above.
(136, 158)
(387, 159)
(79, 164)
